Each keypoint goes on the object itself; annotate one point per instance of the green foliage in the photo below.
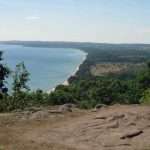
(19, 86)
(36, 99)
(86, 104)
(148, 64)
(61, 97)
(5, 103)
(146, 97)
(144, 79)
(85, 90)
(4, 72)
(86, 94)
(113, 54)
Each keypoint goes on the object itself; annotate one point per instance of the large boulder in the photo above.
(66, 108)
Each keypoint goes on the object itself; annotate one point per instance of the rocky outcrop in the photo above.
(119, 127)
(66, 108)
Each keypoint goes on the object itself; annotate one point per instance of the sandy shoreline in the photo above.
(66, 83)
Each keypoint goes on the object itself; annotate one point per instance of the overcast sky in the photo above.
(109, 21)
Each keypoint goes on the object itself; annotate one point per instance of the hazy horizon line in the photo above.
(74, 41)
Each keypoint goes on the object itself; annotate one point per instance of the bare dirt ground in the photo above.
(106, 68)
(78, 130)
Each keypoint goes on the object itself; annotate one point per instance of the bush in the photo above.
(86, 104)
(146, 97)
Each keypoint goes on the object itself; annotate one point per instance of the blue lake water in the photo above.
(48, 67)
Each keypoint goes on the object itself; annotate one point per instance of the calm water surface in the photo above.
(48, 67)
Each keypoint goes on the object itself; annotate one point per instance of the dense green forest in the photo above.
(122, 54)
(131, 86)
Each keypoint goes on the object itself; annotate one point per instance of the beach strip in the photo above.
(66, 83)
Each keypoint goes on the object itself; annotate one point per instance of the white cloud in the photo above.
(33, 17)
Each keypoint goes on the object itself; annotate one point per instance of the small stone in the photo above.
(131, 134)
(98, 106)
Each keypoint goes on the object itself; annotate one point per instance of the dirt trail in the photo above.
(81, 130)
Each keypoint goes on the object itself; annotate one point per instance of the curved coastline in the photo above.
(72, 73)
(66, 83)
